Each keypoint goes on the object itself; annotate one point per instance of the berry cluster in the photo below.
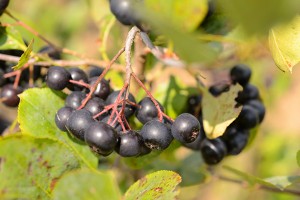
(15, 82)
(236, 136)
(102, 123)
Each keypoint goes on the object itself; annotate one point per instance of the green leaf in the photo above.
(25, 56)
(298, 158)
(10, 38)
(157, 185)
(280, 182)
(31, 166)
(186, 14)
(86, 184)
(219, 112)
(186, 45)
(36, 116)
(284, 43)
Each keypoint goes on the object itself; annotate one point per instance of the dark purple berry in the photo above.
(195, 145)
(77, 75)
(103, 88)
(129, 144)
(249, 92)
(51, 52)
(129, 109)
(240, 74)
(62, 116)
(78, 122)
(146, 111)
(74, 99)
(101, 138)
(95, 105)
(185, 128)
(156, 135)
(218, 89)
(259, 107)
(213, 151)
(9, 94)
(3, 5)
(248, 118)
(57, 78)
(194, 104)
(95, 71)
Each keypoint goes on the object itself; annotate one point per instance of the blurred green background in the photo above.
(79, 25)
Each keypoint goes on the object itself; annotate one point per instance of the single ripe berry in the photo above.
(2, 79)
(77, 75)
(185, 128)
(156, 135)
(101, 138)
(103, 88)
(259, 107)
(240, 74)
(129, 144)
(62, 116)
(95, 71)
(95, 105)
(218, 89)
(78, 122)
(248, 117)
(213, 151)
(249, 92)
(124, 11)
(9, 94)
(57, 78)
(3, 5)
(147, 111)
(51, 52)
(235, 139)
(129, 109)
(74, 99)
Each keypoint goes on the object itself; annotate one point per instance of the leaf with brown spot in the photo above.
(158, 185)
(28, 174)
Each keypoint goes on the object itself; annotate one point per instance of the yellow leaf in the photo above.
(219, 112)
(284, 42)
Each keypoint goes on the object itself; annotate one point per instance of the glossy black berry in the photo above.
(240, 74)
(3, 5)
(95, 105)
(185, 128)
(57, 78)
(77, 75)
(124, 11)
(235, 139)
(101, 138)
(50, 52)
(248, 118)
(259, 107)
(249, 92)
(95, 71)
(146, 110)
(79, 122)
(195, 145)
(62, 116)
(213, 151)
(129, 109)
(103, 88)
(129, 144)
(9, 94)
(218, 89)
(2, 79)
(156, 135)
(74, 99)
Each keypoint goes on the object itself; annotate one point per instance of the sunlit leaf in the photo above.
(86, 184)
(36, 116)
(158, 185)
(284, 43)
(24, 57)
(219, 112)
(10, 38)
(31, 166)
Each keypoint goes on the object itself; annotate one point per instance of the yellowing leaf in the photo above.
(25, 56)
(219, 112)
(284, 42)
